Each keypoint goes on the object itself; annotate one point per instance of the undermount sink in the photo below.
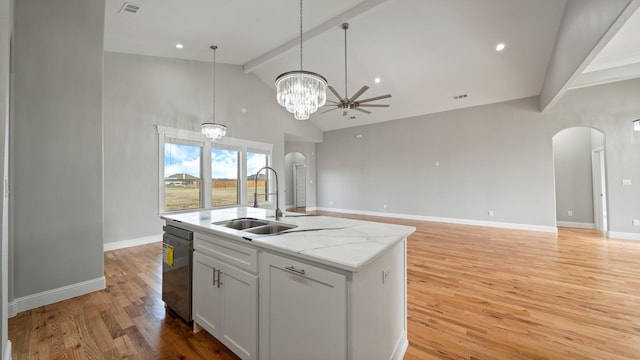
(255, 226)
(242, 224)
(270, 229)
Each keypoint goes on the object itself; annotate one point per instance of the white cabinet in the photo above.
(225, 300)
(303, 311)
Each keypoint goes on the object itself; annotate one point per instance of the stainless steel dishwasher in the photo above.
(177, 261)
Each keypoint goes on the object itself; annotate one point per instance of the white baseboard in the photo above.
(623, 235)
(54, 295)
(578, 225)
(132, 242)
(7, 351)
(401, 347)
(495, 224)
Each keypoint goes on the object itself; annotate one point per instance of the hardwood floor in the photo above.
(473, 293)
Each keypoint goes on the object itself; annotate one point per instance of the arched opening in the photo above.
(580, 178)
(295, 167)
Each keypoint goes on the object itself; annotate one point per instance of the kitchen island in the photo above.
(316, 287)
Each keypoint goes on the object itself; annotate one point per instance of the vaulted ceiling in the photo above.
(426, 53)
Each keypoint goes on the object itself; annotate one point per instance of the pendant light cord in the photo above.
(214, 47)
(300, 34)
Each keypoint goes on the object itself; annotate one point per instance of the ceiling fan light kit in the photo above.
(347, 102)
(301, 92)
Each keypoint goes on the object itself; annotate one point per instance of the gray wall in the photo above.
(6, 20)
(308, 150)
(486, 156)
(573, 175)
(610, 109)
(56, 144)
(143, 91)
(494, 157)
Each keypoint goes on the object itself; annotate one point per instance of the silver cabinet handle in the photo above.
(297, 271)
(214, 277)
(219, 277)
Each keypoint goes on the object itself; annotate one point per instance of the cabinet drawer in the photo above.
(232, 253)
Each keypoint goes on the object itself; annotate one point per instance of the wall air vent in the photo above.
(460, 96)
(128, 8)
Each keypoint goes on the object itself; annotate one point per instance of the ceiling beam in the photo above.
(334, 22)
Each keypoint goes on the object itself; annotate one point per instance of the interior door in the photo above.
(300, 183)
(599, 190)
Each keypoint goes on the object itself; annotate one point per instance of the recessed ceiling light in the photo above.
(500, 47)
(179, 46)
(377, 80)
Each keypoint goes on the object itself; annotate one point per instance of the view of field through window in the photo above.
(224, 177)
(255, 161)
(181, 177)
(183, 183)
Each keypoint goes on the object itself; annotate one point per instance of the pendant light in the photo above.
(212, 130)
(301, 92)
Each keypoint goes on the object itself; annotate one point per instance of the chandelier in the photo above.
(301, 92)
(214, 131)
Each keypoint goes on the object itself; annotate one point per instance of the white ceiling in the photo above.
(424, 51)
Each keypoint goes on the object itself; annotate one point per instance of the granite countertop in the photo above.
(342, 243)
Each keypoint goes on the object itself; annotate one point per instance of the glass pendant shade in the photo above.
(301, 92)
(636, 125)
(213, 131)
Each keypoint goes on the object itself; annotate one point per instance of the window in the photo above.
(195, 175)
(182, 181)
(224, 177)
(255, 162)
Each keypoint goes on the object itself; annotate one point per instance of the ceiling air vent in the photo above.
(129, 8)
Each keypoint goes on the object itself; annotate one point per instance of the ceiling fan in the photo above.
(346, 102)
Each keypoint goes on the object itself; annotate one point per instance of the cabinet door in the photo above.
(206, 307)
(303, 311)
(240, 312)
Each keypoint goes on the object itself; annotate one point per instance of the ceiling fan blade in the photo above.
(373, 105)
(331, 101)
(362, 110)
(360, 92)
(375, 98)
(335, 93)
(326, 111)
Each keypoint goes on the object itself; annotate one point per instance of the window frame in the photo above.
(183, 136)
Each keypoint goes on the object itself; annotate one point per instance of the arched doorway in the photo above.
(295, 168)
(580, 178)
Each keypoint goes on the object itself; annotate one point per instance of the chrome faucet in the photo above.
(255, 191)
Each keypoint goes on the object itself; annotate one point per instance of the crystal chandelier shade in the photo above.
(212, 130)
(301, 92)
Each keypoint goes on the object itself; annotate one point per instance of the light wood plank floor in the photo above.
(473, 293)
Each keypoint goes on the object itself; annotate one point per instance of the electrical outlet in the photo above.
(384, 206)
(330, 202)
(626, 182)
(437, 163)
(570, 213)
(636, 222)
(385, 274)
(491, 213)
